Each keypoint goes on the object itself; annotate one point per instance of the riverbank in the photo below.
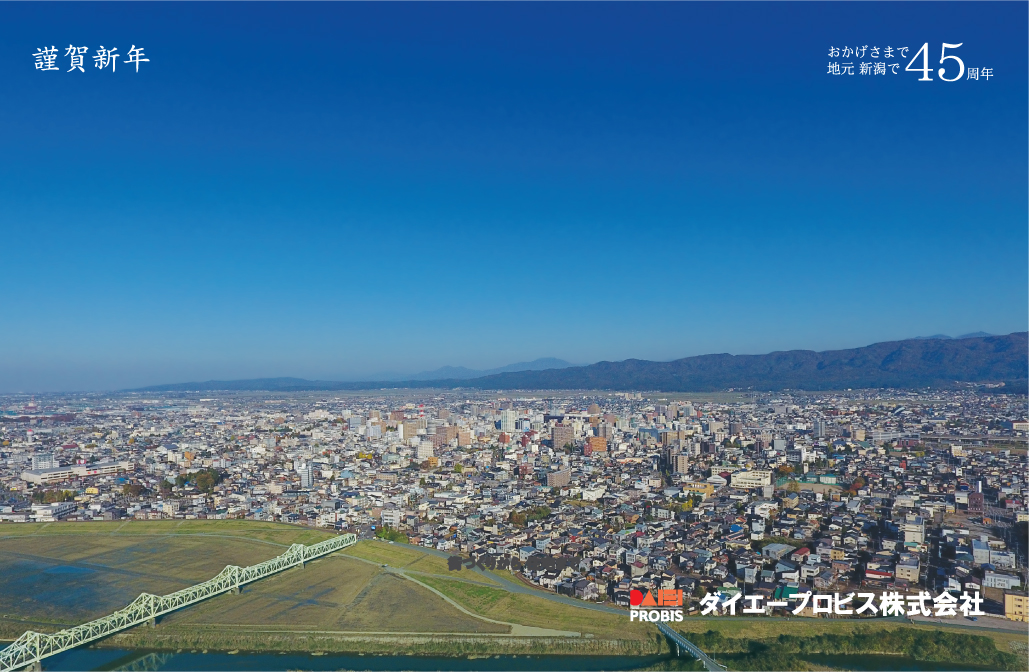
(408, 644)
(902, 648)
(928, 649)
(202, 661)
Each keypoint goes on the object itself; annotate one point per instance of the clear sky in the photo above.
(334, 190)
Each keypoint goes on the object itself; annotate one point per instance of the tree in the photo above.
(203, 480)
(793, 486)
(132, 490)
(522, 518)
(207, 479)
(858, 483)
(51, 496)
(390, 534)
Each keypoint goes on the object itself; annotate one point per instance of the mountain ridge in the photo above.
(909, 363)
(974, 334)
(463, 373)
(901, 364)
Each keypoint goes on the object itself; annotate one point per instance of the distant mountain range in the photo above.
(912, 363)
(974, 334)
(450, 373)
(461, 373)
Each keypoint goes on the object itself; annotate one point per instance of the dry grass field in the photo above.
(500, 604)
(65, 579)
(69, 573)
(402, 557)
(332, 594)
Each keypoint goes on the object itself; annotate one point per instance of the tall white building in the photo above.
(44, 461)
(507, 420)
(306, 472)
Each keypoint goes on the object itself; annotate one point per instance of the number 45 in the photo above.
(924, 52)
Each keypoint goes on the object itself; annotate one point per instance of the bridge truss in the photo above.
(683, 644)
(32, 647)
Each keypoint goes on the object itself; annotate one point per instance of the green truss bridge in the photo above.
(683, 644)
(32, 647)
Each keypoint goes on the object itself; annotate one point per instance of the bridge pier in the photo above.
(37, 666)
(152, 623)
(235, 590)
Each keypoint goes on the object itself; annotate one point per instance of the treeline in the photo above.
(786, 652)
(52, 496)
(522, 518)
(203, 480)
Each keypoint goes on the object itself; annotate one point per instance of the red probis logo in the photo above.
(655, 605)
(655, 598)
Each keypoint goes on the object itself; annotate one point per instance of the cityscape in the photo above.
(591, 495)
(514, 337)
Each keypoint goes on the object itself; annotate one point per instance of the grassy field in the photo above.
(64, 579)
(53, 576)
(401, 557)
(275, 533)
(334, 594)
(64, 574)
(529, 610)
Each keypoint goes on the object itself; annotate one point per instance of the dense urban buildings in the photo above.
(589, 494)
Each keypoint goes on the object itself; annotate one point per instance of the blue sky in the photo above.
(334, 190)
